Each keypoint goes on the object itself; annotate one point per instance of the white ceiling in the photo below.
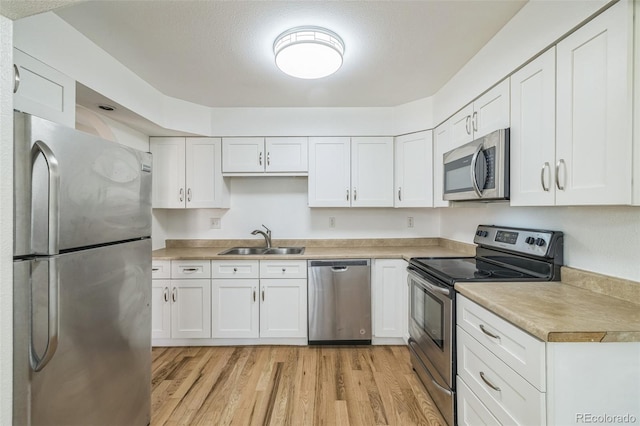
(219, 53)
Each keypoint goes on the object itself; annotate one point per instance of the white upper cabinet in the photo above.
(533, 132)
(443, 142)
(187, 173)
(593, 136)
(286, 155)
(43, 91)
(413, 171)
(356, 172)
(372, 171)
(487, 113)
(330, 172)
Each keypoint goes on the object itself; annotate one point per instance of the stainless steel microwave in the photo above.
(478, 170)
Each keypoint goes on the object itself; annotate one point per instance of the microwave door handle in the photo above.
(474, 178)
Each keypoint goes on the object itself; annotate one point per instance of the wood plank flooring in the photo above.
(288, 385)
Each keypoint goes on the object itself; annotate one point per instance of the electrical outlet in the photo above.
(409, 222)
(214, 223)
(332, 222)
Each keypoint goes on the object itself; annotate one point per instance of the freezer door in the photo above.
(75, 190)
(100, 370)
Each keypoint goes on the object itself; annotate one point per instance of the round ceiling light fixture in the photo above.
(308, 52)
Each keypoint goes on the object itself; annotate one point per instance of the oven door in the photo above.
(431, 326)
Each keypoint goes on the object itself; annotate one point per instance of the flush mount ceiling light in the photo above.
(308, 52)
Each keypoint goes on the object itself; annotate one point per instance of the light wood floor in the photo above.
(288, 385)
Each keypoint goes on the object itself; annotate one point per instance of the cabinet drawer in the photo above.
(160, 269)
(187, 269)
(283, 269)
(510, 398)
(471, 411)
(235, 268)
(522, 352)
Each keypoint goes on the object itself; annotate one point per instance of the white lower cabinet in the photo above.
(507, 376)
(269, 301)
(180, 308)
(390, 299)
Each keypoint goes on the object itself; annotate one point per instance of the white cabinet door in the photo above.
(533, 132)
(329, 172)
(43, 91)
(390, 298)
(235, 308)
(487, 113)
(413, 170)
(593, 145)
(461, 126)
(243, 155)
(491, 110)
(168, 172)
(286, 154)
(160, 309)
(372, 171)
(283, 308)
(443, 143)
(205, 186)
(191, 308)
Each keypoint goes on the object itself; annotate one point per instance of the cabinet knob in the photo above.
(284, 269)
(235, 270)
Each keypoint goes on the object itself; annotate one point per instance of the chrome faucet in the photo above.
(266, 235)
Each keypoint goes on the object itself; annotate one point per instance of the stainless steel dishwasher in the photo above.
(339, 302)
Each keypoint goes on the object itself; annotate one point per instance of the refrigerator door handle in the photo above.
(38, 363)
(38, 148)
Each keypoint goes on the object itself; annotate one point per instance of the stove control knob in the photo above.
(530, 240)
(540, 242)
(485, 234)
(479, 233)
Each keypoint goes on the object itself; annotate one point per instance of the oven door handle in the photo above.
(434, 288)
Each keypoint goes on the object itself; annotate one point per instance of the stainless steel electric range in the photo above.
(502, 254)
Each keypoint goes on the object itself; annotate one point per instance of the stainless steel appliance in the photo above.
(82, 278)
(339, 301)
(478, 170)
(502, 254)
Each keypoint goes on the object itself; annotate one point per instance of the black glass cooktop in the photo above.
(455, 269)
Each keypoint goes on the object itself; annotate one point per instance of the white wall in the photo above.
(281, 204)
(536, 26)
(6, 219)
(600, 239)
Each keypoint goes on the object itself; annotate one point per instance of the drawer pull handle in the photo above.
(254, 294)
(189, 269)
(263, 295)
(155, 269)
(491, 385)
(488, 333)
(165, 294)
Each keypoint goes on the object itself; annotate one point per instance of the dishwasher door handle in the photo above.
(339, 268)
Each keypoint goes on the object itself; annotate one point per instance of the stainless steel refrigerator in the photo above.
(82, 278)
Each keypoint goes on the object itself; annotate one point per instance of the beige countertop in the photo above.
(558, 312)
(375, 252)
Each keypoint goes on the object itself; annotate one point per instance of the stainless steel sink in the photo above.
(285, 250)
(247, 251)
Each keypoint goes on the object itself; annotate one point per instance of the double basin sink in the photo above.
(246, 251)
